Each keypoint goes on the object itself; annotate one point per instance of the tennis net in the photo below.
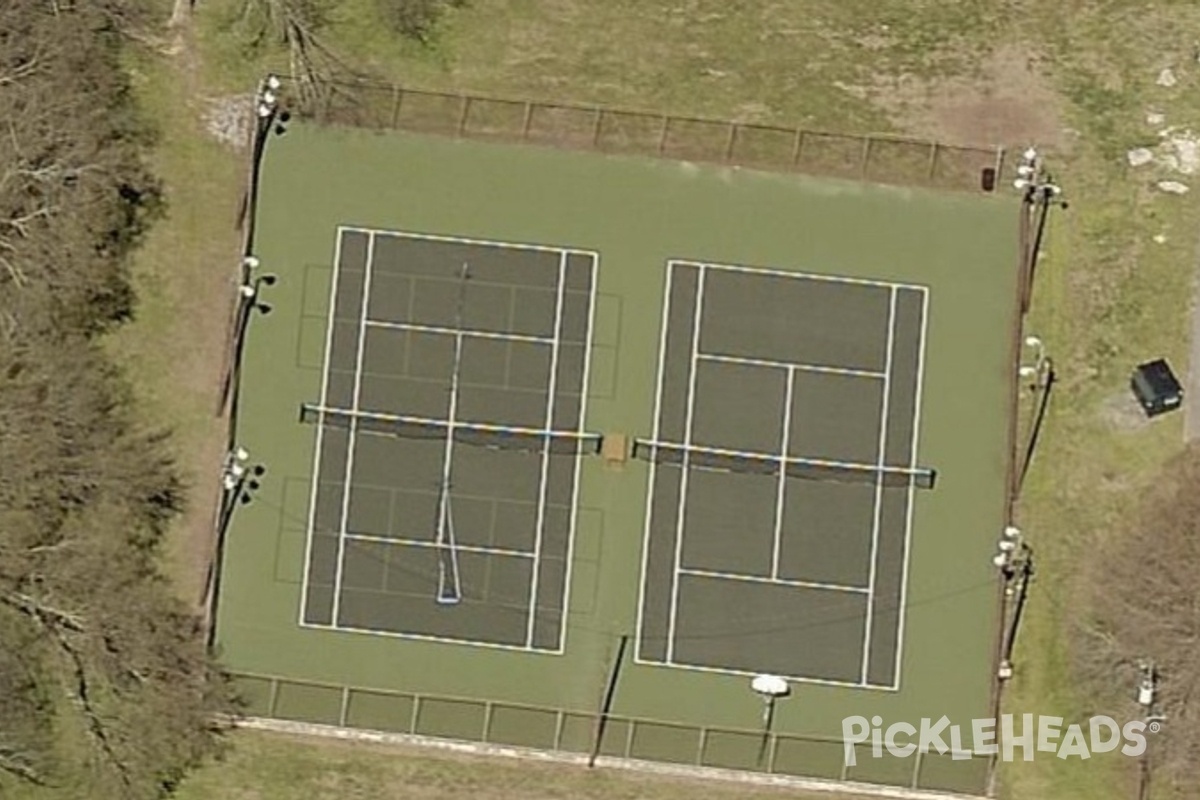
(498, 437)
(721, 460)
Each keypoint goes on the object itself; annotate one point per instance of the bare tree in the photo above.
(94, 648)
(1146, 605)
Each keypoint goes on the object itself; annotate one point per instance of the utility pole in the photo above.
(1147, 692)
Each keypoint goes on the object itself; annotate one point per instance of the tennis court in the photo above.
(783, 468)
(449, 432)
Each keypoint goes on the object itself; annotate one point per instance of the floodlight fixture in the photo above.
(250, 262)
(769, 686)
(272, 82)
(1012, 532)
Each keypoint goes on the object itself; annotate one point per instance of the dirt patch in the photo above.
(229, 119)
(1121, 412)
(1007, 102)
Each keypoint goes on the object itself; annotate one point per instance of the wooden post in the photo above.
(797, 146)
(597, 124)
(527, 121)
(662, 133)
(732, 142)
(463, 113)
(396, 100)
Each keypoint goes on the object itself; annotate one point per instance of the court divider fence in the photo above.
(573, 731)
(876, 158)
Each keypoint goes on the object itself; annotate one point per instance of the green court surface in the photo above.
(813, 380)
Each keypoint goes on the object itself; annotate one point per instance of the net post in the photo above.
(772, 752)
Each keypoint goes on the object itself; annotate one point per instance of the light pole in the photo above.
(770, 688)
(239, 481)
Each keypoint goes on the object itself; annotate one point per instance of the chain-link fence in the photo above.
(876, 158)
(566, 731)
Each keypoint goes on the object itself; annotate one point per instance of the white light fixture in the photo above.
(769, 685)
(1000, 559)
(1021, 183)
(1007, 545)
(272, 82)
(1030, 154)
(1033, 341)
(268, 97)
(1011, 532)
(250, 262)
(241, 454)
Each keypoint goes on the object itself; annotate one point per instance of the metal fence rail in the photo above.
(884, 159)
(571, 731)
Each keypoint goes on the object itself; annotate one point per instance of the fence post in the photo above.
(462, 115)
(488, 705)
(629, 738)
(662, 133)
(701, 745)
(796, 147)
(560, 719)
(597, 125)
(397, 98)
(933, 160)
(344, 710)
(416, 711)
(527, 121)
(729, 145)
(916, 775)
(866, 155)
(272, 697)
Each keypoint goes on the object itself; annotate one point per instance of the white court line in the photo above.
(771, 364)
(543, 481)
(316, 470)
(811, 276)
(472, 334)
(434, 237)
(734, 576)
(683, 477)
(880, 458)
(420, 637)
(781, 489)
(658, 394)
(738, 673)
(901, 612)
(587, 364)
(425, 543)
(362, 338)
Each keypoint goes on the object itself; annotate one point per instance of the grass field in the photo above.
(1108, 294)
